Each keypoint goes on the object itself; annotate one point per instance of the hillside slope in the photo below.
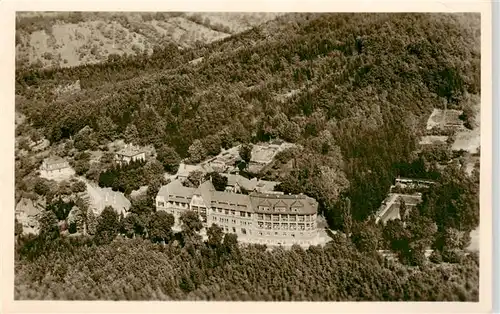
(354, 89)
(71, 39)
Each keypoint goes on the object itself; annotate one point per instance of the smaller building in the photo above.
(27, 212)
(236, 182)
(413, 183)
(56, 168)
(54, 165)
(129, 154)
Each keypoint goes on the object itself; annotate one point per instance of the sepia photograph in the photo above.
(247, 156)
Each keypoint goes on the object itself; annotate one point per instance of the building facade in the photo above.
(263, 218)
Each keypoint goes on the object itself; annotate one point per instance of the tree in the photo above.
(41, 187)
(230, 244)
(76, 220)
(168, 158)
(18, 227)
(197, 152)
(191, 222)
(107, 226)
(246, 153)
(48, 225)
(160, 226)
(219, 181)
(215, 235)
(194, 178)
(212, 144)
(346, 216)
(453, 202)
(365, 238)
(403, 210)
(79, 187)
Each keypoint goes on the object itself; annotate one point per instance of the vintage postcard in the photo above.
(254, 157)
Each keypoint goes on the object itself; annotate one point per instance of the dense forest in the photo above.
(354, 90)
(185, 268)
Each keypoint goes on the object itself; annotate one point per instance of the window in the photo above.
(308, 217)
(293, 226)
(242, 214)
(276, 233)
(284, 217)
(260, 233)
(293, 235)
(301, 217)
(276, 226)
(233, 221)
(301, 227)
(162, 204)
(233, 212)
(226, 211)
(284, 226)
(276, 217)
(260, 216)
(249, 215)
(292, 218)
(268, 225)
(268, 217)
(243, 231)
(234, 230)
(219, 210)
(295, 209)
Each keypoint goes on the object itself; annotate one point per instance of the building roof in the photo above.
(250, 185)
(231, 200)
(185, 169)
(305, 204)
(205, 190)
(28, 207)
(130, 151)
(176, 192)
(53, 160)
(101, 197)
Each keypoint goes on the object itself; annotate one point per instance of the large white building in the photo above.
(264, 218)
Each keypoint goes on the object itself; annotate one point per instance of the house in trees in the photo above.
(56, 168)
(27, 213)
(130, 153)
(98, 198)
(265, 218)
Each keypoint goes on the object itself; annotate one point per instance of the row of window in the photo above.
(279, 208)
(285, 226)
(231, 212)
(233, 221)
(285, 217)
(285, 234)
(176, 204)
(233, 230)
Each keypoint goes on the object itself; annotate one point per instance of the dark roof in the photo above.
(304, 204)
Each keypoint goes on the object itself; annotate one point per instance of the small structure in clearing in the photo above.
(130, 153)
(445, 119)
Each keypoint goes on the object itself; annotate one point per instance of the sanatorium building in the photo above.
(263, 218)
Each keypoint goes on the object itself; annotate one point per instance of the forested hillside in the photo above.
(352, 87)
